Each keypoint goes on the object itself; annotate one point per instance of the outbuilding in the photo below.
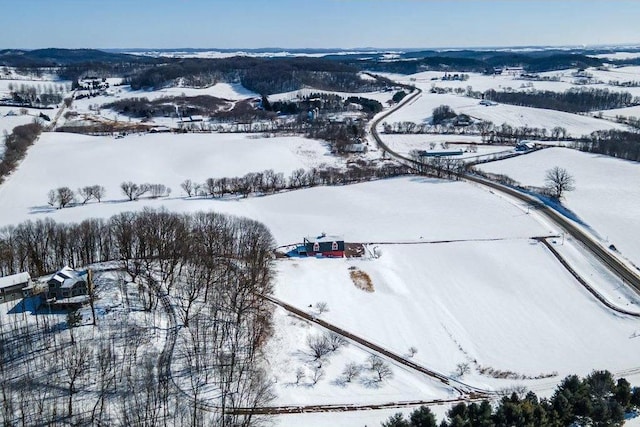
(15, 287)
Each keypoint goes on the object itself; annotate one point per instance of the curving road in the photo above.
(628, 274)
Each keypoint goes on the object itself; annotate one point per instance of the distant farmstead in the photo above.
(15, 287)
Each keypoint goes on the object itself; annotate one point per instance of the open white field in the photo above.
(482, 82)
(421, 109)
(506, 305)
(231, 91)
(61, 159)
(401, 209)
(606, 198)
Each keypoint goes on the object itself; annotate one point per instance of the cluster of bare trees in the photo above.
(204, 275)
(438, 166)
(268, 181)
(39, 96)
(490, 132)
(134, 191)
(62, 197)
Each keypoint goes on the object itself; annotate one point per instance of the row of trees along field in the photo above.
(16, 145)
(196, 279)
(614, 143)
(597, 400)
(575, 100)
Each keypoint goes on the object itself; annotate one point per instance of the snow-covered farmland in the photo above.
(606, 198)
(420, 111)
(460, 302)
(231, 91)
(62, 159)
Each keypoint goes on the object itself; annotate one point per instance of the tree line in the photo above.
(614, 143)
(268, 181)
(16, 144)
(574, 100)
(597, 400)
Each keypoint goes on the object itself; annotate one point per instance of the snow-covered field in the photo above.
(461, 302)
(489, 296)
(421, 109)
(166, 159)
(606, 198)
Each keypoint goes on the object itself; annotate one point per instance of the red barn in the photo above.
(323, 245)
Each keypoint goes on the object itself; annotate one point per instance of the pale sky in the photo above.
(315, 23)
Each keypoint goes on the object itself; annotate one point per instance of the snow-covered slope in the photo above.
(607, 197)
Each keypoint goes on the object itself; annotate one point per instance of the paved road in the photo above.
(629, 275)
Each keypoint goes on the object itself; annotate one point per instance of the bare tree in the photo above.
(557, 181)
(318, 374)
(380, 368)
(129, 189)
(336, 341)
(462, 369)
(322, 307)
(299, 375)
(61, 197)
(319, 346)
(98, 192)
(75, 363)
(187, 186)
(351, 371)
(86, 194)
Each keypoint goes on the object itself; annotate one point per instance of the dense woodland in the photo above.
(597, 400)
(580, 100)
(182, 106)
(263, 76)
(198, 279)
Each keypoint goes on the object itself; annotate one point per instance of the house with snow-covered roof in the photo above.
(67, 283)
(15, 286)
(324, 245)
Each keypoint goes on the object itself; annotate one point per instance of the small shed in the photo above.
(67, 283)
(323, 245)
(15, 286)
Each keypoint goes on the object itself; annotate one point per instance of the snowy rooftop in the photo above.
(67, 277)
(324, 238)
(14, 279)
